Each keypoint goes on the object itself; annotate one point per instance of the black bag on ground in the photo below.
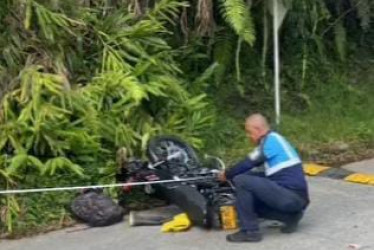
(96, 209)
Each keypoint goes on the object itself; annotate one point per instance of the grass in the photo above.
(333, 124)
(340, 118)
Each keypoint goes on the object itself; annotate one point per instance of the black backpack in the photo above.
(96, 209)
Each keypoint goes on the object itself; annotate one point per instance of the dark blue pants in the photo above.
(259, 197)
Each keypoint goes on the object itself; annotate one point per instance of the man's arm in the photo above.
(254, 159)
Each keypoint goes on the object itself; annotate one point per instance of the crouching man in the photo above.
(279, 193)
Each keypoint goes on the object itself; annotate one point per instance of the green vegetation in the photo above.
(80, 79)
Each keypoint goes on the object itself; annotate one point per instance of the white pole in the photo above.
(276, 61)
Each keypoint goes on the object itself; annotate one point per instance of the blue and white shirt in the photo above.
(280, 159)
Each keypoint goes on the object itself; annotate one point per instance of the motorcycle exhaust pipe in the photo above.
(153, 217)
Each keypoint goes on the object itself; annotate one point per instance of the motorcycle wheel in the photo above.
(173, 151)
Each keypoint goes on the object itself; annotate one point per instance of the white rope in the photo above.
(57, 189)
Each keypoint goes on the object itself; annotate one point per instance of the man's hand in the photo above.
(222, 177)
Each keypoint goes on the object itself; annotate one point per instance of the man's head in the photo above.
(256, 126)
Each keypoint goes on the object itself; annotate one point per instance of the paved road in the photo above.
(366, 167)
(340, 214)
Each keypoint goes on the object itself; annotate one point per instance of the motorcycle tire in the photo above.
(161, 147)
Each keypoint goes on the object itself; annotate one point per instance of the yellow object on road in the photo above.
(180, 223)
(361, 178)
(314, 169)
(229, 217)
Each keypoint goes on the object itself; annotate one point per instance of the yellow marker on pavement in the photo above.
(314, 169)
(361, 178)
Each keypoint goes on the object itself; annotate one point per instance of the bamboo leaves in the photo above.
(50, 23)
(81, 89)
(28, 15)
(19, 162)
(9, 213)
(167, 10)
(237, 14)
(62, 163)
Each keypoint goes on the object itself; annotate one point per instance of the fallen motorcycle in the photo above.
(201, 196)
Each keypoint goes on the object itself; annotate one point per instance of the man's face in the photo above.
(253, 133)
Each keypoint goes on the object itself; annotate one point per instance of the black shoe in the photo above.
(291, 225)
(242, 236)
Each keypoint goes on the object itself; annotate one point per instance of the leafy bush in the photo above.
(61, 127)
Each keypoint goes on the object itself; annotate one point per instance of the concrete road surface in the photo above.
(365, 167)
(340, 214)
